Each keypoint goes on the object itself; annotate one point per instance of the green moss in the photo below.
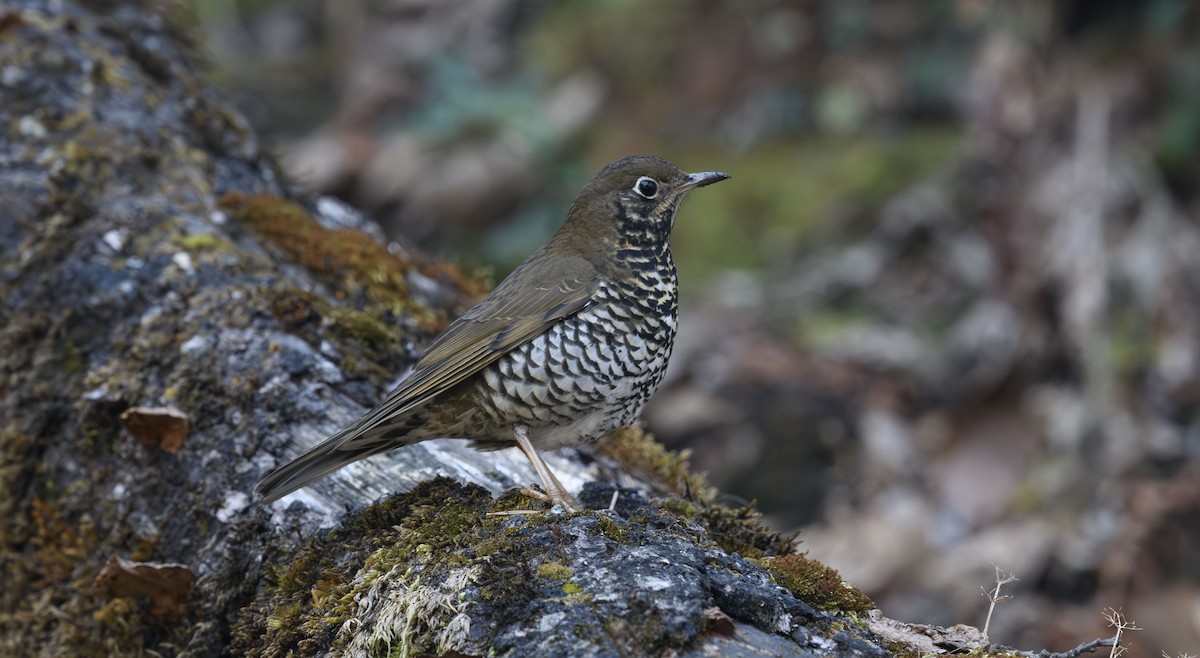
(554, 571)
(612, 528)
(354, 263)
(298, 310)
(72, 360)
(367, 327)
(741, 530)
(284, 615)
(816, 584)
(199, 242)
(680, 507)
(350, 260)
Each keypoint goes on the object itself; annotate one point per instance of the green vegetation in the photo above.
(816, 584)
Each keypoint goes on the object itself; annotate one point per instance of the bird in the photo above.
(566, 349)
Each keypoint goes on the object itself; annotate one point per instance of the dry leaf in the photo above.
(167, 585)
(164, 427)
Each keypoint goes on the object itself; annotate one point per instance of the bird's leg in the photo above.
(558, 493)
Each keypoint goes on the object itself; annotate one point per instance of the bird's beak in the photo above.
(700, 179)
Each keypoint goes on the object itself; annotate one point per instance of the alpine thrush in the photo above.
(566, 349)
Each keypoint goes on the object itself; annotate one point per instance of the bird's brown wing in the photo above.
(516, 312)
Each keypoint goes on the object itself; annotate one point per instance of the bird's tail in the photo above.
(344, 447)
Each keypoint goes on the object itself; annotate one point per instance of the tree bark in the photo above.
(178, 320)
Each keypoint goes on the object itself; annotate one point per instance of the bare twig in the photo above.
(1086, 647)
(1117, 620)
(994, 597)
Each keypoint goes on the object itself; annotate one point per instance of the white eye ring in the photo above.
(646, 187)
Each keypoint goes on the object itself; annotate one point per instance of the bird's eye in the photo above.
(646, 187)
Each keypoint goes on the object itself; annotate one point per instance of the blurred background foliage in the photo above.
(945, 315)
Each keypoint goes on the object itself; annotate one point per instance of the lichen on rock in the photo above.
(440, 573)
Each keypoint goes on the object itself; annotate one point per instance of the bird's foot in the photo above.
(557, 496)
(566, 500)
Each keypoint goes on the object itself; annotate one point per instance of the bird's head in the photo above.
(638, 197)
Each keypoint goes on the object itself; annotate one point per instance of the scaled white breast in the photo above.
(586, 375)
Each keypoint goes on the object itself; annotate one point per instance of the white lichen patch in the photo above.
(233, 505)
(397, 614)
(653, 583)
(783, 624)
(184, 262)
(32, 128)
(115, 238)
